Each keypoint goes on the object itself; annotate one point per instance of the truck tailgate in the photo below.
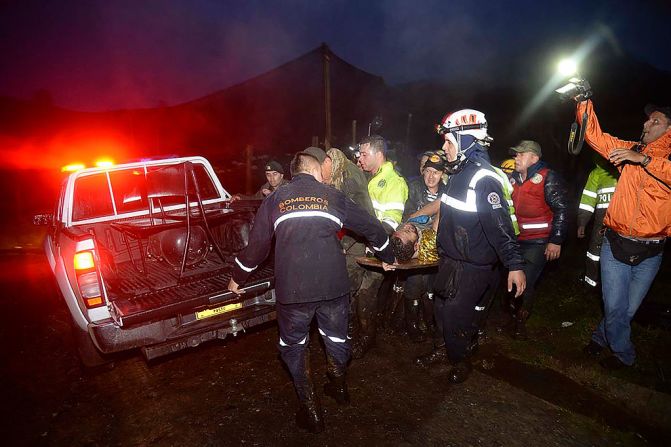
(187, 295)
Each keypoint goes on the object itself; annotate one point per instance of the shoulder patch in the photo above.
(382, 183)
(493, 198)
(537, 178)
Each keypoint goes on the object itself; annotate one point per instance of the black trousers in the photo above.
(462, 314)
(294, 324)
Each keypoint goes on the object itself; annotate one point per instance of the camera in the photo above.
(577, 89)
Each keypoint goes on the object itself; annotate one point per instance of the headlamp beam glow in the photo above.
(567, 67)
(73, 167)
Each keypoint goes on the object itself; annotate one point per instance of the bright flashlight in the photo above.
(567, 67)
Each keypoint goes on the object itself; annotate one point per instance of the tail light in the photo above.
(87, 279)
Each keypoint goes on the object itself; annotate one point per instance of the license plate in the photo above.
(217, 311)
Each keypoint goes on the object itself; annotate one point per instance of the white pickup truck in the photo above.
(142, 253)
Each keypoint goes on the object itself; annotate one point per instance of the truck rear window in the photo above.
(126, 192)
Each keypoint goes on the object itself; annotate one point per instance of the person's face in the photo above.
(450, 149)
(407, 233)
(523, 160)
(432, 177)
(422, 162)
(369, 160)
(274, 178)
(327, 170)
(656, 126)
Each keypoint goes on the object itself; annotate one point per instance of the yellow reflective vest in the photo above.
(388, 193)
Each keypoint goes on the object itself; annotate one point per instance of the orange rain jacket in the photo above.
(641, 205)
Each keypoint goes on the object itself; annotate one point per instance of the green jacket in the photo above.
(388, 193)
(597, 194)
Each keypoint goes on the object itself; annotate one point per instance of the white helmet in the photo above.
(464, 122)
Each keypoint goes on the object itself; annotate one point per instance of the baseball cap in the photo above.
(273, 165)
(650, 108)
(316, 152)
(435, 162)
(527, 146)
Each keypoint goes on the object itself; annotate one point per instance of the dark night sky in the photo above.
(105, 54)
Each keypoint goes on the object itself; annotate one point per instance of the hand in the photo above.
(235, 287)
(619, 156)
(552, 251)
(265, 192)
(389, 267)
(519, 279)
(235, 197)
(581, 232)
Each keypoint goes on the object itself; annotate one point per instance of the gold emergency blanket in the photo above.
(428, 252)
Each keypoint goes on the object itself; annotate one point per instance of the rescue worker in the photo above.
(638, 222)
(418, 297)
(541, 205)
(345, 176)
(275, 178)
(388, 192)
(594, 201)
(475, 232)
(310, 275)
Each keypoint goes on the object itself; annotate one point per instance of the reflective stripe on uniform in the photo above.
(479, 308)
(586, 207)
(298, 214)
(589, 193)
(333, 339)
(469, 205)
(244, 267)
(603, 205)
(302, 342)
(391, 222)
(593, 257)
(605, 190)
(589, 281)
(387, 206)
(534, 226)
(383, 246)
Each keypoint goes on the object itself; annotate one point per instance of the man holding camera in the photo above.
(637, 222)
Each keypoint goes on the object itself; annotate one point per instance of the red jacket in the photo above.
(534, 216)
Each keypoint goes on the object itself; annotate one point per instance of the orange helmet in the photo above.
(508, 165)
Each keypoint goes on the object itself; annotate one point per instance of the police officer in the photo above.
(596, 195)
(388, 192)
(475, 232)
(310, 274)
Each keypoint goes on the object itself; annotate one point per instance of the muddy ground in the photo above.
(236, 392)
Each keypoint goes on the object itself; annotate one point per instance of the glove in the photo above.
(421, 220)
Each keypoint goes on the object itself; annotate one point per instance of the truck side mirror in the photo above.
(43, 219)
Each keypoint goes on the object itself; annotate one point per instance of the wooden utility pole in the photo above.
(326, 58)
(249, 156)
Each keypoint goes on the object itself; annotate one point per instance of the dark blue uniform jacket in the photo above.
(305, 216)
(475, 225)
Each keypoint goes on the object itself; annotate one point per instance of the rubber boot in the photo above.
(460, 372)
(310, 416)
(521, 317)
(412, 317)
(367, 315)
(393, 313)
(436, 356)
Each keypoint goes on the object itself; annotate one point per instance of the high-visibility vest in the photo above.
(388, 193)
(598, 190)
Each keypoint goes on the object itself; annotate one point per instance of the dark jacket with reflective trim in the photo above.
(304, 216)
(418, 195)
(541, 199)
(475, 225)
